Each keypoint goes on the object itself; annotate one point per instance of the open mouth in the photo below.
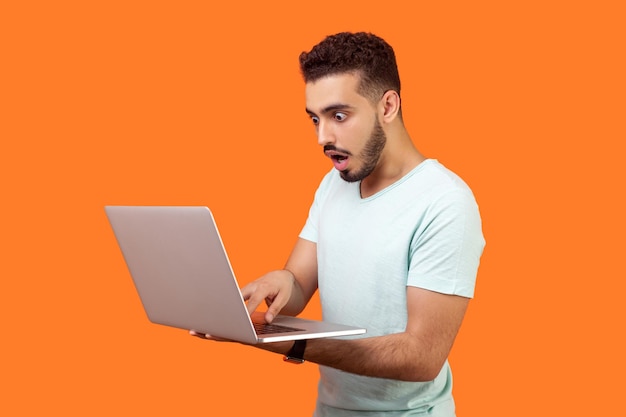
(340, 159)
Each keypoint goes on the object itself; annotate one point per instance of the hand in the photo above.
(275, 288)
(207, 336)
(276, 347)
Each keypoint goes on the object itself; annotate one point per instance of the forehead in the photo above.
(333, 90)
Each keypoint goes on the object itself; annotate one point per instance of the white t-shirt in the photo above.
(423, 231)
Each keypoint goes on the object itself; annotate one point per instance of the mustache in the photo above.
(335, 149)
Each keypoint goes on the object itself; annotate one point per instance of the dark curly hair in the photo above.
(361, 53)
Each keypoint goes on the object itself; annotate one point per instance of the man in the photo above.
(392, 242)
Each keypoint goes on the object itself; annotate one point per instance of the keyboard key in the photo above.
(268, 328)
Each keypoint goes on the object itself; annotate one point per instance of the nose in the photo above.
(324, 134)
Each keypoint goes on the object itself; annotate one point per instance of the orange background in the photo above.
(194, 103)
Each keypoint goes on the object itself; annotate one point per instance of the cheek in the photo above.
(356, 132)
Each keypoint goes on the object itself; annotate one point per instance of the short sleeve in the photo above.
(446, 247)
(310, 231)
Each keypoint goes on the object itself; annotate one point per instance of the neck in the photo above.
(399, 157)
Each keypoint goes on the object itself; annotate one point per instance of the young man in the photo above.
(392, 242)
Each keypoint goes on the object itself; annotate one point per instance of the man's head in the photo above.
(352, 98)
(362, 54)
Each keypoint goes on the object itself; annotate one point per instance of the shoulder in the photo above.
(434, 174)
(431, 183)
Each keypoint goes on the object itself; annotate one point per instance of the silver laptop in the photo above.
(180, 269)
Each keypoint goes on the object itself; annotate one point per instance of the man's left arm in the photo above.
(417, 354)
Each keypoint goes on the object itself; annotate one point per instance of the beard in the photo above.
(369, 155)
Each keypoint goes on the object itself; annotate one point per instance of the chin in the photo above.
(346, 177)
(351, 177)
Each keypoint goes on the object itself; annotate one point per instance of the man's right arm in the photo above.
(286, 291)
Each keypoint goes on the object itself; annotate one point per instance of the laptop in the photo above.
(184, 279)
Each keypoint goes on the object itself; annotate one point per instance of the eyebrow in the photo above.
(330, 108)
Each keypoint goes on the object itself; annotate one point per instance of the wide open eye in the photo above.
(340, 117)
(315, 120)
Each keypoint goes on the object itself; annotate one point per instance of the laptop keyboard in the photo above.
(267, 328)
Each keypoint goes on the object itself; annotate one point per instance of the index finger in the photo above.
(251, 295)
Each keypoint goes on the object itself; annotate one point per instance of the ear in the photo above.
(389, 106)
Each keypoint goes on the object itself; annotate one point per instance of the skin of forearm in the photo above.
(398, 356)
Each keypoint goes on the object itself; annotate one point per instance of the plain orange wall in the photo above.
(194, 103)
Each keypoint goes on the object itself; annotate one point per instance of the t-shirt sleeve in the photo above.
(446, 247)
(310, 231)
